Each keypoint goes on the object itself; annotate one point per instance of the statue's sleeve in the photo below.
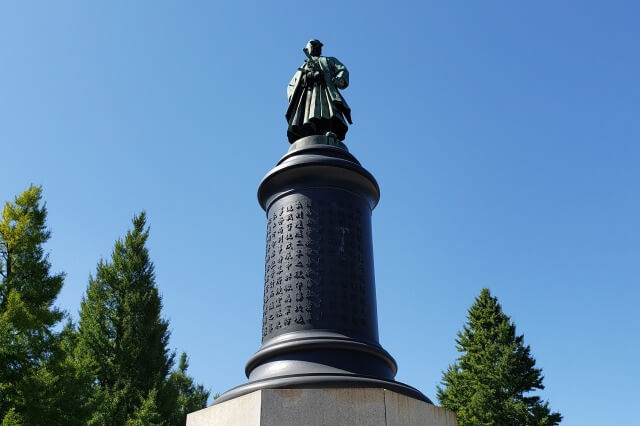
(340, 74)
(291, 88)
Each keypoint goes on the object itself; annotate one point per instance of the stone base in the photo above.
(320, 407)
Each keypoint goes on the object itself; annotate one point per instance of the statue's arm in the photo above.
(340, 74)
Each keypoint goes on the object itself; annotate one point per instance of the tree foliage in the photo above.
(11, 418)
(184, 396)
(147, 413)
(114, 367)
(492, 380)
(123, 340)
(27, 315)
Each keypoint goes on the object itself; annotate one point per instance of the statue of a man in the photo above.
(315, 105)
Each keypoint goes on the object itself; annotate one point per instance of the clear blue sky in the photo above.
(504, 135)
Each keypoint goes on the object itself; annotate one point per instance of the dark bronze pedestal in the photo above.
(320, 325)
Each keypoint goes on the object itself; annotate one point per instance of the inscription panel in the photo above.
(318, 265)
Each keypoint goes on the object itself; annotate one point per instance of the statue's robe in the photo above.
(318, 108)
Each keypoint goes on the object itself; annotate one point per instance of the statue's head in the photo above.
(314, 47)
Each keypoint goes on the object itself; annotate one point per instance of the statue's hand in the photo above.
(339, 83)
(310, 77)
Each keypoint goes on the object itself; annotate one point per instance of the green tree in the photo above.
(63, 386)
(184, 396)
(492, 380)
(123, 341)
(122, 336)
(27, 315)
(147, 414)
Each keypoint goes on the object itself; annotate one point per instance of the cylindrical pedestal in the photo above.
(320, 326)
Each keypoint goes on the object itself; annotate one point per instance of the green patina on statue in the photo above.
(316, 107)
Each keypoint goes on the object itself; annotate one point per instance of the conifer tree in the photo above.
(492, 381)
(64, 385)
(27, 315)
(147, 414)
(123, 343)
(122, 337)
(184, 396)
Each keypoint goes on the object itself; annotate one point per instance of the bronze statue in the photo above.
(316, 107)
